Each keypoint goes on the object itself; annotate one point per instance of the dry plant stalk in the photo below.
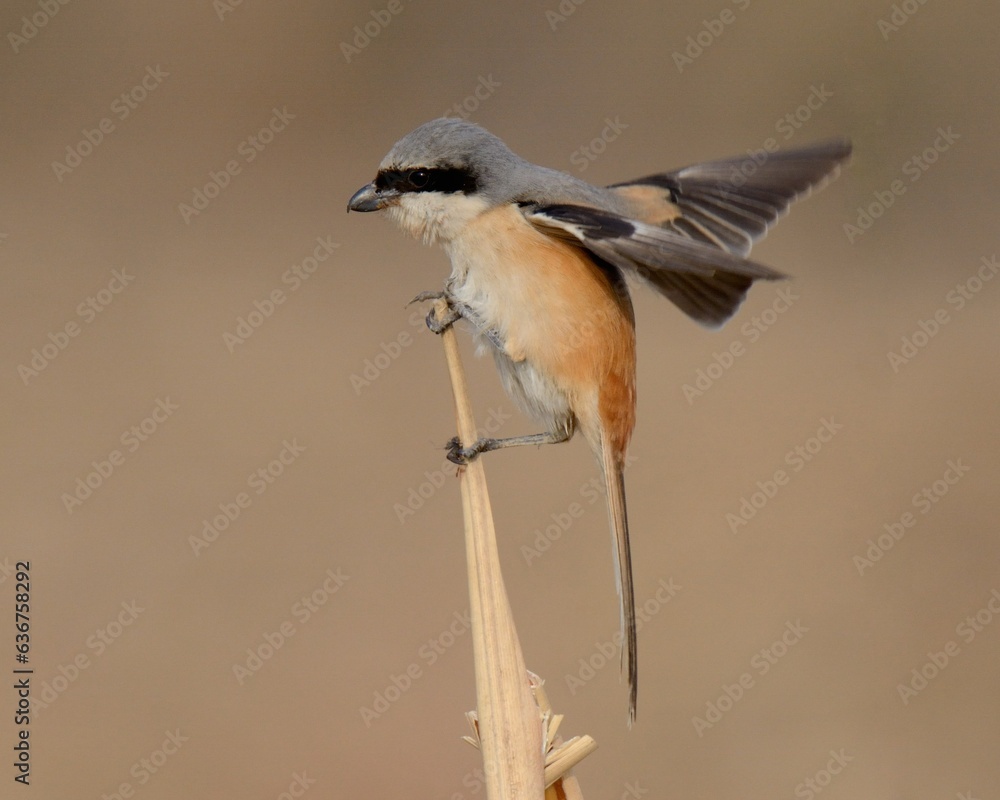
(560, 757)
(508, 719)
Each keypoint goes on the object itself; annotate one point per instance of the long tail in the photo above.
(614, 478)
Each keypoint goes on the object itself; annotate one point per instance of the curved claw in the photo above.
(423, 297)
(437, 324)
(464, 455)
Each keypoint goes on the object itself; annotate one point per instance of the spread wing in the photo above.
(694, 227)
(731, 203)
(705, 281)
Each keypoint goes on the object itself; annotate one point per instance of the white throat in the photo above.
(434, 216)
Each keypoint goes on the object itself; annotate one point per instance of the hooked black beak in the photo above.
(369, 198)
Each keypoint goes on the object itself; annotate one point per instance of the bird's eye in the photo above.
(419, 177)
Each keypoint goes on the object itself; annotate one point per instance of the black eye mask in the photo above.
(447, 180)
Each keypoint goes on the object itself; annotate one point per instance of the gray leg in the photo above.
(463, 455)
(456, 311)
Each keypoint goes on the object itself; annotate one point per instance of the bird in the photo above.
(539, 260)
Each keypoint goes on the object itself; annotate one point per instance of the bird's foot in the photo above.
(465, 455)
(438, 324)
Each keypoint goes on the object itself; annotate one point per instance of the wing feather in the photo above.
(734, 201)
(693, 228)
(705, 281)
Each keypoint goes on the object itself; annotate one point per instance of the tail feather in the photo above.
(614, 478)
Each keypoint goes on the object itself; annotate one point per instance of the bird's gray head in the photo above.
(440, 175)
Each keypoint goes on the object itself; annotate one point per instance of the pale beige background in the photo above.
(334, 507)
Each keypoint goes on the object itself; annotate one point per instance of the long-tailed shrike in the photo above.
(538, 261)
